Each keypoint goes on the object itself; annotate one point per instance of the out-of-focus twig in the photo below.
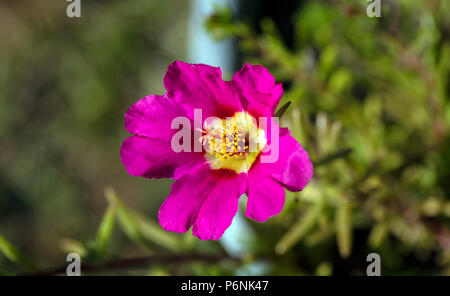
(134, 263)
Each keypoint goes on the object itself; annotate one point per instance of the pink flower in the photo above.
(208, 184)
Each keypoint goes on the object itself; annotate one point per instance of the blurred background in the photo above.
(370, 103)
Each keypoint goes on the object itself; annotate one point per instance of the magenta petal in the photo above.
(150, 153)
(152, 117)
(206, 199)
(220, 207)
(265, 195)
(153, 158)
(179, 210)
(255, 78)
(293, 168)
(201, 87)
(277, 93)
(257, 86)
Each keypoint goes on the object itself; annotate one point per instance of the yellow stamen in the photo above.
(228, 142)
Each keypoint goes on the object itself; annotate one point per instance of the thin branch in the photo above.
(134, 263)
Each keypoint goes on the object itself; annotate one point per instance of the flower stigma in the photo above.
(233, 143)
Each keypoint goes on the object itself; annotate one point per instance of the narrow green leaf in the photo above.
(141, 230)
(153, 231)
(282, 110)
(106, 227)
(319, 236)
(12, 254)
(126, 220)
(300, 229)
(344, 228)
(377, 235)
(129, 225)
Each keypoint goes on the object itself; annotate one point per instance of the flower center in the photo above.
(233, 143)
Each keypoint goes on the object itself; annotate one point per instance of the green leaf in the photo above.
(12, 254)
(106, 227)
(344, 228)
(378, 234)
(153, 231)
(282, 110)
(130, 226)
(300, 229)
(141, 230)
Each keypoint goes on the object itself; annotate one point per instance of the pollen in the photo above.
(233, 143)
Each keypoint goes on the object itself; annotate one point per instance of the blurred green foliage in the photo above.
(379, 87)
(65, 85)
(369, 103)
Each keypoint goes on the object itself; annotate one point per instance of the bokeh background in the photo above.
(370, 103)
